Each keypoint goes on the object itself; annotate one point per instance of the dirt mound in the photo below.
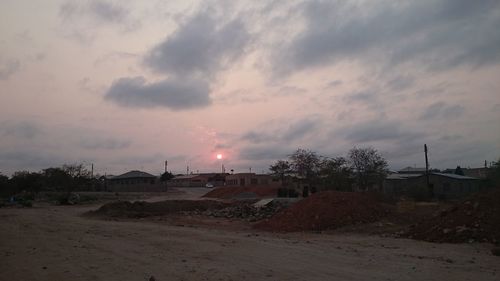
(246, 211)
(230, 191)
(325, 210)
(140, 209)
(475, 219)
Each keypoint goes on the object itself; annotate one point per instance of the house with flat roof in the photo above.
(247, 179)
(444, 186)
(198, 180)
(135, 181)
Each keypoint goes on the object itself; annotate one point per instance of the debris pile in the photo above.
(326, 210)
(245, 210)
(139, 209)
(228, 192)
(476, 219)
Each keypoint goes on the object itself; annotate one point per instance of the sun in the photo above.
(219, 156)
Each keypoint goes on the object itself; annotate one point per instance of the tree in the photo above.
(79, 176)
(27, 181)
(281, 168)
(369, 167)
(335, 173)
(56, 179)
(305, 164)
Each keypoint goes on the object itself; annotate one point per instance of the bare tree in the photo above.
(335, 173)
(368, 165)
(281, 168)
(305, 164)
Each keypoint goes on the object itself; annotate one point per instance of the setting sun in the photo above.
(219, 156)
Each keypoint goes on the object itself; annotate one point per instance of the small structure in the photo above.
(135, 181)
(445, 186)
(247, 179)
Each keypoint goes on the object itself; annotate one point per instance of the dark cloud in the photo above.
(334, 83)
(361, 96)
(19, 130)
(8, 68)
(82, 20)
(106, 144)
(300, 129)
(200, 47)
(377, 130)
(175, 94)
(442, 110)
(31, 160)
(400, 83)
(100, 10)
(437, 34)
(257, 137)
(280, 133)
(269, 152)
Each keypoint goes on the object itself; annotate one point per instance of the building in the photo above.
(412, 170)
(246, 179)
(444, 186)
(198, 180)
(135, 181)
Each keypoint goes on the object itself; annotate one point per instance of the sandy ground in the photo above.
(57, 243)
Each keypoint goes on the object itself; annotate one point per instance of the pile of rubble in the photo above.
(139, 209)
(476, 219)
(228, 192)
(248, 211)
(326, 210)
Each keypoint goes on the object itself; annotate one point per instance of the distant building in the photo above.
(198, 180)
(247, 179)
(412, 170)
(135, 181)
(445, 186)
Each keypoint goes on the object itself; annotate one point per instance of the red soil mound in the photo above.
(475, 219)
(230, 191)
(140, 209)
(325, 210)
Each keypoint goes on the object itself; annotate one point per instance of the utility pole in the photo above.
(166, 165)
(430, 188)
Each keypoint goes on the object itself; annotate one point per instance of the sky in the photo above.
(126, 85)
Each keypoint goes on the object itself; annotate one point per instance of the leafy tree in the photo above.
(27, 181)
(281, 168)
(369, 167)
(305, 163)
(5, 186)
(335, 172)
(56, 179)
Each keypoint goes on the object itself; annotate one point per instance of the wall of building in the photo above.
(247, 179)
(136, 185)
(444, 187)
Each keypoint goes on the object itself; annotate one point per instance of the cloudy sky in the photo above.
(129, 84)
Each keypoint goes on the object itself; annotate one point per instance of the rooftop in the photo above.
(134, 174)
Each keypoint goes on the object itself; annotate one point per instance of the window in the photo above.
(254, 181)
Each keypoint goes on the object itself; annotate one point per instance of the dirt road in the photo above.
(57, 243)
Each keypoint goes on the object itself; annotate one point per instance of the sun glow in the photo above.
(219, 156)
